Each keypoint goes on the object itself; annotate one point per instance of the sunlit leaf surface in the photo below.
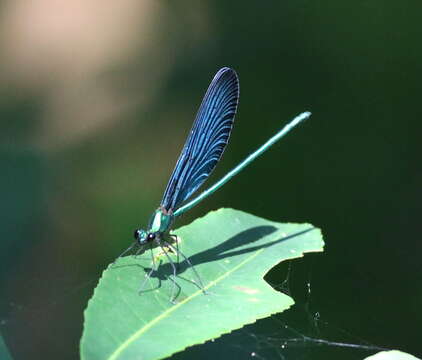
(231, 251)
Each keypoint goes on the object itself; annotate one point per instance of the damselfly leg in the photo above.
(178, 252)
(173, 279)
(153, 269)
(176, 241)
(124, 252)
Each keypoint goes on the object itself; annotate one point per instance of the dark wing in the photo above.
(207, 139)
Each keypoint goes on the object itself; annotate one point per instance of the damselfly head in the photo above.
(141, 236)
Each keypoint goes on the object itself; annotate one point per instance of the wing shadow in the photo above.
(224, 250)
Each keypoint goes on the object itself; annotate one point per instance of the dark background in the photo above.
(93, 113)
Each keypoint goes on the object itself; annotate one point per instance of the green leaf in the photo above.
(231, 251)
(391, 355)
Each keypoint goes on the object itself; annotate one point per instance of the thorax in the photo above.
(160, 221)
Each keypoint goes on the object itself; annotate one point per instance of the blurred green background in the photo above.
(96, 101)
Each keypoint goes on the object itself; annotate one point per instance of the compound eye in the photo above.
(151, 236)
(136, 234)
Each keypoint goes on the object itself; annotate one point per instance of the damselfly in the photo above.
(202, 151)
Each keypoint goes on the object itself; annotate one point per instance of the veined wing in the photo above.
(206, 141)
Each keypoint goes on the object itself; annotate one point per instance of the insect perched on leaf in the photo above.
(202, 151)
